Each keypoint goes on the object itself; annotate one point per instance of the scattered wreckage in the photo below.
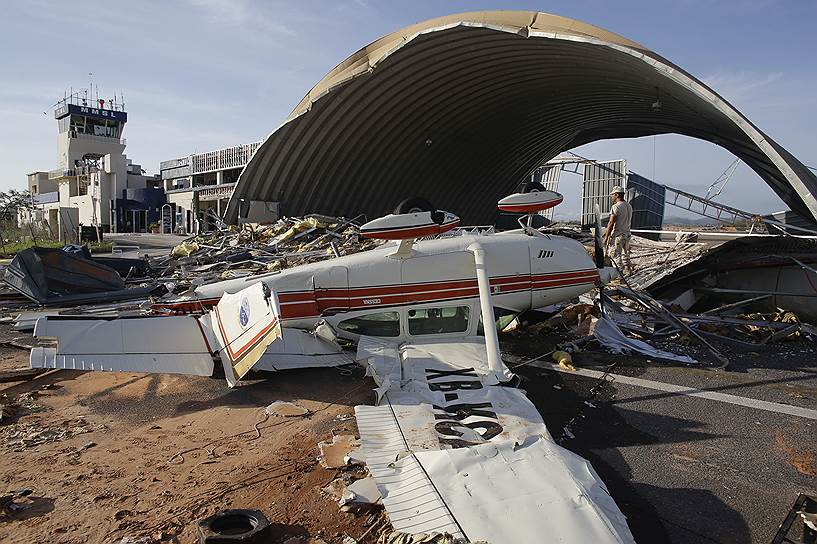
(447, 442)
(451, 448)
(70, 276)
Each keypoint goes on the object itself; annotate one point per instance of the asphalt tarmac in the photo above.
(137, 245)
(685, 469)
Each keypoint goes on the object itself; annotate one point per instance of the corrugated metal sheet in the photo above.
(462, 108)
(644, 195)
(788, 217)
(599, 179)
(648, 201)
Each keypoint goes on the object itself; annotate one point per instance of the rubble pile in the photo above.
(226, 253)
(630, 321)
(255, 248)
(687, 324)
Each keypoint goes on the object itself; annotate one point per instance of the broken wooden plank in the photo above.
(20, 374)
(16, 343)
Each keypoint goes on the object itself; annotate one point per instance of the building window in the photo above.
(34, 189)
(380, 324)
(438, 320)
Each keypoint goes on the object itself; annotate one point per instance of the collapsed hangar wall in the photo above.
(460, 109)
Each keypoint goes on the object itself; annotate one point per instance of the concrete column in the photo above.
(219, 177)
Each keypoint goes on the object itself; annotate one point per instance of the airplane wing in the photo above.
(237, 331)
(453, 450)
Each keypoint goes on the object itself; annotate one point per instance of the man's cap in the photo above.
(616, 189)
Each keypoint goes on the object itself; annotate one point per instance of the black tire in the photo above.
(413, 205)
(231, 526)
(532, 187)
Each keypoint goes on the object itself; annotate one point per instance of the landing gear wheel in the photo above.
(418, 204)
(532, 187)
(413, 205)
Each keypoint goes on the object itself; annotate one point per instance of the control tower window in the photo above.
(81, 124)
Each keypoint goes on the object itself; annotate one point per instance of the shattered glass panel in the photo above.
(380, 324)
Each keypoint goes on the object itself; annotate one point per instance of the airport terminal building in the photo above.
(199, 186)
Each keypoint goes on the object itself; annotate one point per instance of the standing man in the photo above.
(621, 215)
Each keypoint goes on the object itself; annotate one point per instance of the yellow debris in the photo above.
(300, 226)
(185, 249)
(564, 360)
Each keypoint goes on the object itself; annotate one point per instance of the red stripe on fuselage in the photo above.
(307, 304)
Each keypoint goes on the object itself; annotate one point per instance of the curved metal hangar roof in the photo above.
(459, 109)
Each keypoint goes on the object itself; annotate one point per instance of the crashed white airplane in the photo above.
(451, 446)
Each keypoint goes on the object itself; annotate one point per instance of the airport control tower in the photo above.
(95, 184)
(91, 156)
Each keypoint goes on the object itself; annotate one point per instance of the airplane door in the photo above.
(332, 288)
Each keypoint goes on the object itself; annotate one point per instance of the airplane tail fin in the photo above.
(238, 331)
(244, 324)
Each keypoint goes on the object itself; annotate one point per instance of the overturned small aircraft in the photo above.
(453, 448)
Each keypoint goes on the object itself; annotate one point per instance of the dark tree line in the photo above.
(10, 201)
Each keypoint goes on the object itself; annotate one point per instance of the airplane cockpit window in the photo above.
(380, 324)
(438, 320)
(502, 318)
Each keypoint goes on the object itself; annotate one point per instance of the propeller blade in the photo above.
(598, 251)
(598, 245)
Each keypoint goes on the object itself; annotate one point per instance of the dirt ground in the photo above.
(113, 455)
(145, 455)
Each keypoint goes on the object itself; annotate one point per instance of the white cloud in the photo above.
(741, 85)
(241, 13)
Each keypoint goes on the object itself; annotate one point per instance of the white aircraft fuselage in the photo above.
(526, 272)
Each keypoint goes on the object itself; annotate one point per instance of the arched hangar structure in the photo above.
(461, 108)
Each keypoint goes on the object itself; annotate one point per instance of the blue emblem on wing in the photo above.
(244, 312)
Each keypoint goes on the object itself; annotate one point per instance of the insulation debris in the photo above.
(363, 491)
(334, 454)
(185, 249)
(564, 360)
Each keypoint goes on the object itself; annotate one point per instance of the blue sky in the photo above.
(203, 74)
